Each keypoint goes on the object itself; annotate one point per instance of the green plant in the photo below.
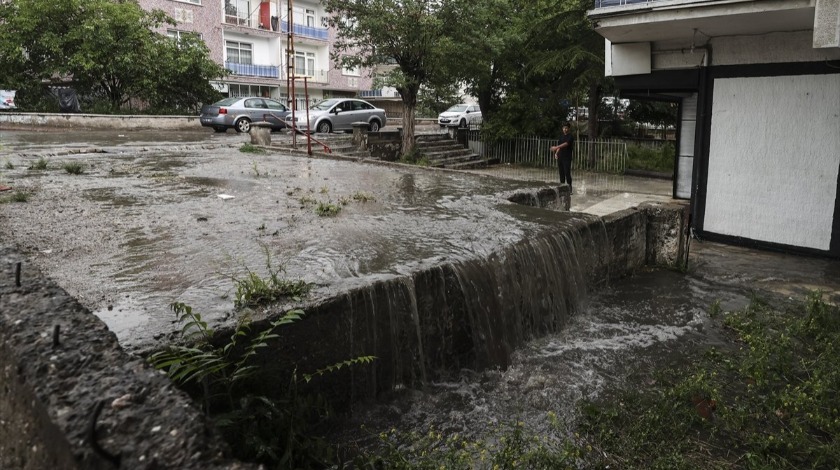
(363, 197)
(74, 168)
(325, 190)
(9, 165)
(40, 164)
(327, 209)
(651, 159)
(254, 166)
(247, 147)
(767, 401)
(307, 199)
(17, 196)
(271, 430)
(254, 290)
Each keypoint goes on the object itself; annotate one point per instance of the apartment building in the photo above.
(250, 38)
(758, 84)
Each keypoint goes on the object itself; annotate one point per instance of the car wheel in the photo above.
(374, 126)
(463, 123)
(242, 125)
(324, 127)
(220, 129)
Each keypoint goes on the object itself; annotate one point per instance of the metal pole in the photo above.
(290, 68)
(309, 131)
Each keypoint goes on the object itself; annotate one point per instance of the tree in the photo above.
(100, 46)
(406, 35)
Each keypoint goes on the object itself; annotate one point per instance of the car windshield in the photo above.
(324, 105)
(458, 108)
(226, 102)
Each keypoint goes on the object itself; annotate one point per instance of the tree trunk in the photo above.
(408, 128)
(409, 99)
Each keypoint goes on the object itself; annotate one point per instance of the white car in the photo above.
(338, 114)
(460, 115)
(7, 99)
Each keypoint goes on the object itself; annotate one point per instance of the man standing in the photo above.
(563, 155)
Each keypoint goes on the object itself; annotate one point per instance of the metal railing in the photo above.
(253, 70)
(306, 31)
(617, 3)
(605, 156)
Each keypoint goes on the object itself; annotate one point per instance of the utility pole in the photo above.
(290, 65)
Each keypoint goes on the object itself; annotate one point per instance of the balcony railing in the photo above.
(616, 3)
(306, 31)
(253, 70)
(313, 76)
(380, 93)
(237, 20)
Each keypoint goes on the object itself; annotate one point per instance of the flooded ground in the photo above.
(145, 225)
(162, 217)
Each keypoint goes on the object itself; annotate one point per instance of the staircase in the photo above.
(444, 152)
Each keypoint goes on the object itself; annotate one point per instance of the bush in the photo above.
(651, 159)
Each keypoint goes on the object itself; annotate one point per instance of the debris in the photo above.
(225, 196)
(5, 188)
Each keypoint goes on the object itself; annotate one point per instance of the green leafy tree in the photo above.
(101, 47)
(406, 36)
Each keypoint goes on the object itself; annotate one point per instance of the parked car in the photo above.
(7, 99)
(239, 113)
(339, 114)
(460, 115)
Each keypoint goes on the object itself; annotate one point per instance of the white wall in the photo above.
(264, 53)
(773, 159)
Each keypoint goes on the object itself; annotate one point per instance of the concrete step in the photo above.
(468, 165)
(438, 144)
(448, 162)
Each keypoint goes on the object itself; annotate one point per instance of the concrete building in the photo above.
(250, 38)
(758, 83)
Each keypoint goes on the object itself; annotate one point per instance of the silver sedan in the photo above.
(239, 113)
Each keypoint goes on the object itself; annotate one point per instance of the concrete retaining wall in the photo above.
(58, 361)
(96, 121)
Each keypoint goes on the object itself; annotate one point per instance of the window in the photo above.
(305, 64)
(310, 18)
(238, 12)
(236, 90)
(273, 105)
(351, 71)
(178, 34)
(238, 52)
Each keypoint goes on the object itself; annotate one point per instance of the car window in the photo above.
(363, 105)
(324, 105)
(226, 102)
(275, 105)
(458, 108)
(255, 103)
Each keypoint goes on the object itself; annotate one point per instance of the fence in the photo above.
(606, 156)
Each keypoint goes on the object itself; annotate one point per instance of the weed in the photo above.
(17, 196)
(9, 165)
(247, 147)
(344, 200)
(715, 309)
(74, 168)
(254, 290)
(325, 190)
(307, 199)
(40, 164)
(255, 167)
(327, 209)
(363, 197)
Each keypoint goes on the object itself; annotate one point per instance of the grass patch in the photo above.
(9, 165)
(327, 209)
(770, 401)
(363, 197)
(40, 164)
(16, 196)
(651, 159)
(248, 147)
(415, 158)
(255, 290)
(74, 168)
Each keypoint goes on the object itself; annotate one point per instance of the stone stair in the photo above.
(444, 152)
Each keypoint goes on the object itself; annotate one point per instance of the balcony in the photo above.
(253, 70)
(379, 93)
(312, 76)
(238, 21)
(306, 31)
(627, 21)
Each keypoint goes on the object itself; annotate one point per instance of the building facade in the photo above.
(250, 38)
(758, 84)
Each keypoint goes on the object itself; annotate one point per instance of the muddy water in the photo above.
(145, 225)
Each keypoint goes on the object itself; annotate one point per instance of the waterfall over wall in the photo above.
(472, 313)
